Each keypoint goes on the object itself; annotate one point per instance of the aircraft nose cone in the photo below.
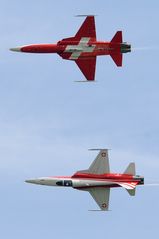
(31, 181)
(16, 49)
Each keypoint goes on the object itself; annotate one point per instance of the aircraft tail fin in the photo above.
(130, 169)
(116, 54)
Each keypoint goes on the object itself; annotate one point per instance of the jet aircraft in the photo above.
(83, 48)
(97, 180)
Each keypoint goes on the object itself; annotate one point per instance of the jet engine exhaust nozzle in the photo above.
(125, 48)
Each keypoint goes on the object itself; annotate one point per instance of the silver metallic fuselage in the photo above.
(75, 182)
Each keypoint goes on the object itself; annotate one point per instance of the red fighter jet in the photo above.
(97, 180)
(83, 48)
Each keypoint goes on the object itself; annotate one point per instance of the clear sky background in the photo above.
(47, 121)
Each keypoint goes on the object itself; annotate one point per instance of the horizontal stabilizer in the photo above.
(117, 58)
(131, 191)
(116, 42)
(130, 169)
(117, 38)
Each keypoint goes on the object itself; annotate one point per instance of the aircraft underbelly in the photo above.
(90, 183)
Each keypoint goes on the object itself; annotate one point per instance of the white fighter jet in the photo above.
(97, 180)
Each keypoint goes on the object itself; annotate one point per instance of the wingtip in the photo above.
(86, 15)
(99, 210)
(79, 81)
(97, 149)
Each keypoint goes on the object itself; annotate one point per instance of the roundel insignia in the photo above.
(104, 205)
(103, 154)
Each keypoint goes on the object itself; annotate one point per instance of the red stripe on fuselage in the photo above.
(103, 176)
(114, 178)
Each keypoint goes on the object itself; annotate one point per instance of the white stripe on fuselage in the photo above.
(82, 47)
(89, 183)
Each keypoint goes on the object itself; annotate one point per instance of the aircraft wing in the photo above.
(87, 29)
(101, 196)
(86, 34)
(88, 67)
(101, 163)
(99, 166)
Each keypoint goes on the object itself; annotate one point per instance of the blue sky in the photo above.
(47, 121)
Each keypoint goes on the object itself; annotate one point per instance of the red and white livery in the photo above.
(83, 48)
(97, 180)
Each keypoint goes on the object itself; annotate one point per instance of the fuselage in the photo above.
(85, 181)
(85, 49)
